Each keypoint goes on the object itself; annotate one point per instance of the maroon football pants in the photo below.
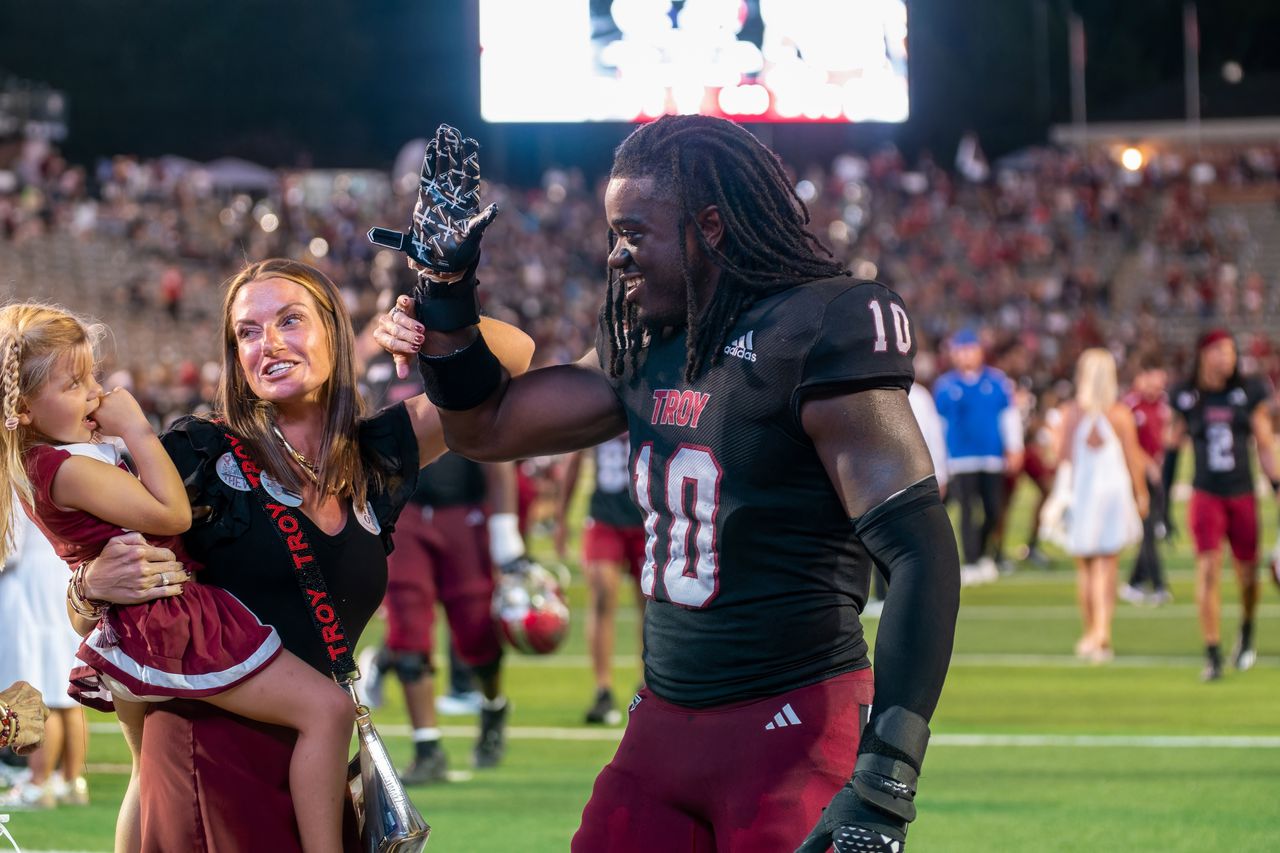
(753, 776)
(442, 557)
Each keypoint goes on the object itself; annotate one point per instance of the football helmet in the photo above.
(530, 608)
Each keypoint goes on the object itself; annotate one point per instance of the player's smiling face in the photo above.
(647, 252)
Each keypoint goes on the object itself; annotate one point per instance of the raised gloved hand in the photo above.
(871, 812)
(443, 239)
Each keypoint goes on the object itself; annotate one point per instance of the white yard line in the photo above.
(1006, 612)
(1071, 662)
(1110, 741)
(965, 659)
(957, 740)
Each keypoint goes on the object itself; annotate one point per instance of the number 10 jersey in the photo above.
(752, 571)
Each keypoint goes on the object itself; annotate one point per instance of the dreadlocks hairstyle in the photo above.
(33, 338)
(767, 246)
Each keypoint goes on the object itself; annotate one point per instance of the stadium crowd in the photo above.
(1031, 254)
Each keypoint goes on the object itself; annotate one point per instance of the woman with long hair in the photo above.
(288, 399)
(1097, 443)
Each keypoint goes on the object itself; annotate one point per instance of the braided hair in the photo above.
(10, 362)
(767, 246)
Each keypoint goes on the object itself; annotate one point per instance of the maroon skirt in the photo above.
(212, 782)
(187, 646)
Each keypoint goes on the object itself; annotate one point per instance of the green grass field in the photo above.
(1032, 751)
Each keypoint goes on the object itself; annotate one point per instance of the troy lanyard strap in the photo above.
(305, 570)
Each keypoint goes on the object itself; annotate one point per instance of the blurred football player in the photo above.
(458, 525)
(1220, 411)
(1149, 400)
(775, 458)
(613, 544)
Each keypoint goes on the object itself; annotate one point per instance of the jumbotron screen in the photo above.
(749, 60)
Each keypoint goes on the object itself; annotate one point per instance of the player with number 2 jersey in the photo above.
(1222, 413)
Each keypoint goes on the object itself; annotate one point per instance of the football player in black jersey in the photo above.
(776, 458)
(613, 548)
(1220, 411)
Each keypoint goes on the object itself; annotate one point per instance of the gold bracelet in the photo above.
(83, 606)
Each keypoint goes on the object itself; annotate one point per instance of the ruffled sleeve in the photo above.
(218, 511)
(389, 447)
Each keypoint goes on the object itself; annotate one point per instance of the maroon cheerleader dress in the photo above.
(192, 645)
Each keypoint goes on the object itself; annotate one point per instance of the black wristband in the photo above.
(463, 379)
(900, 734)
(447, 307)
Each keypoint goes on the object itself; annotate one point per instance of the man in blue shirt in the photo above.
(984, 439)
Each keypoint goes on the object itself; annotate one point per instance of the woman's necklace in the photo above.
(304, 463)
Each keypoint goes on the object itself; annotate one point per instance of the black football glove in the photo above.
(851, 824)
(871, 812)
(444, 236)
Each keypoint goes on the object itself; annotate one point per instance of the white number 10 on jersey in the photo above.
(690, 574)
(901, 327)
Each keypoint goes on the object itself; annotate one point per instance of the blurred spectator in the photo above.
(1053, 251)
(39, 648)
(984, 439)
(1102, 469)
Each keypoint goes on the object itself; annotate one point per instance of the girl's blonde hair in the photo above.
(33, 337)
(342, 470)
(1097, 388)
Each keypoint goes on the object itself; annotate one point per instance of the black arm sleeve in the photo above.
(1168, 470)
(910, 538)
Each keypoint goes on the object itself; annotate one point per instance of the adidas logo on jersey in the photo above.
(742, 348)
(782, 719)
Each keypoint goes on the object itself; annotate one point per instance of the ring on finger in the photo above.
(164, 579)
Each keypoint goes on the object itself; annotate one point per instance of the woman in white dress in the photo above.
(1107, 495)
(39, 646)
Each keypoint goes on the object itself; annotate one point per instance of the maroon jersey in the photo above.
(76, 535)
(1220, 429)
(753, 572)
(1150, 417)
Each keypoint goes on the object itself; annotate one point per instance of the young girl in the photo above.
(199, 641)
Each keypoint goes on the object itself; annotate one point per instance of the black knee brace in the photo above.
(410, 667)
